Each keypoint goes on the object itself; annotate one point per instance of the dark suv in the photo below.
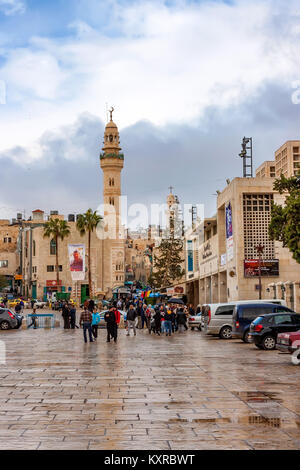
(244, 314)
(9, 319)
(265, 328)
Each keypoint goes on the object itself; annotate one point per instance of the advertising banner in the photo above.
(229, 232)
(190, 255)
(77, 261)
(269, 267)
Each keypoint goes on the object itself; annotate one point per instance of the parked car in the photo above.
(265, 328)
(290, 343)
(9, 319)
(244, 314)
(102, 323)
(194, 321)
(40, 304)
(216, 319)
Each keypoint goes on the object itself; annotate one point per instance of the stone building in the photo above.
(221, 255)
(9, 255)
(287, 159)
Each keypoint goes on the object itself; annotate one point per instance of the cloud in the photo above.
(156, 61)
(61, 170)
(12, 7)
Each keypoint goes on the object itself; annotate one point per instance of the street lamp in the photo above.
(260, 249)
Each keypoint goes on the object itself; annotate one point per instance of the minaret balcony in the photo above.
(119, 156)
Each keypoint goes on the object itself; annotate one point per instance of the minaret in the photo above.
(112, 162)
(113, 256)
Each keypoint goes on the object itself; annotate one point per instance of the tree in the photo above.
(167, 264)
(285, 220)
(3, 281)
(87, 223)
(56, 229)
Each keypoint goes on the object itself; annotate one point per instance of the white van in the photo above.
(216, 319)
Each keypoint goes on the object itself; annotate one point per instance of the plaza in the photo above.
(183, 392)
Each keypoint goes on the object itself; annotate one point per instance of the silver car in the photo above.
(9, 319)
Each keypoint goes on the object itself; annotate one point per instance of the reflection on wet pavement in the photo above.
(145, 392)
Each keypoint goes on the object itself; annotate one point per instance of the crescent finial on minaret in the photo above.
(111, 111)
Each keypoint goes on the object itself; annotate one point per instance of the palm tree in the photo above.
(87, 223)
(56, 229)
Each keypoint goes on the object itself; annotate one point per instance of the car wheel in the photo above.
(226, 332)
(192, 328)
(246, 337)
(268, 343)
(199, 328)
(5, 325)
(296, 358)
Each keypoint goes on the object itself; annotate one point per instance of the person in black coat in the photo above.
(157, 320)
(181, 320)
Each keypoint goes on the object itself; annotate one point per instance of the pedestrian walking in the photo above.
(169, 318)
(86, 321)
(66, 316)
(111, 325)
(139, 310)
(157, 320)
(33, 320)
(131, 319)
(181, 319)
(32, 302)
(22, 305)
(149, 314)
(73, 317)
(91, 305)
(95, 322)
(18, 308)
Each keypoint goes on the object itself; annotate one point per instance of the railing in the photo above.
(119, 156)
(43, 320)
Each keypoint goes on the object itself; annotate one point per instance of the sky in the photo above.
(188, 80)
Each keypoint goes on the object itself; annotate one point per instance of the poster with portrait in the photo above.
(229, 232)
(77, 261)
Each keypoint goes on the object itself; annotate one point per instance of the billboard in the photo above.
(77, 261)
(269, 267)
(190, 256)
(229, 232)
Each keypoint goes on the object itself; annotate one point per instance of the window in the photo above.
(33, 248)
(7, 240)
(53, 247)
(252, 312)
(225, 310)
(50, 269)
(283, 319)
(4, 264)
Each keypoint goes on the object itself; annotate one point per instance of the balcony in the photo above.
(119, 156)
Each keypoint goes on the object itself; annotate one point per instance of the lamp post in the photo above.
(260, 249)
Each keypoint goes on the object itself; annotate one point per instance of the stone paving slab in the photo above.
(186, 392)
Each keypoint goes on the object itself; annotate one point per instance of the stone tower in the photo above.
(112, 162)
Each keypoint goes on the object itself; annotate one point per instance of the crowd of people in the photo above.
(162, 319)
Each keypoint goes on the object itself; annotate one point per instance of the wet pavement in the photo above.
(145, 392)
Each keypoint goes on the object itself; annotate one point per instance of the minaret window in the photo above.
(111, 138)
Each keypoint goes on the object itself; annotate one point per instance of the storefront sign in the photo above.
(52, 283)
(77, 261)
(175, 290)
(18, 277)
(269, 268)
